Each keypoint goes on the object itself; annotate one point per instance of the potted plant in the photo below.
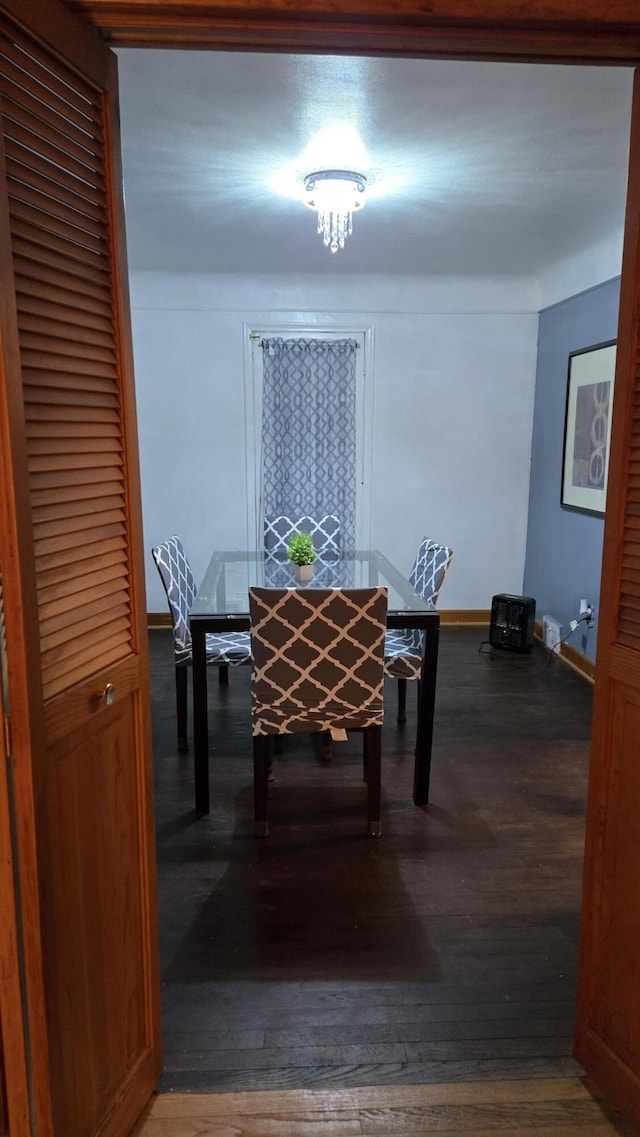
(302, 554)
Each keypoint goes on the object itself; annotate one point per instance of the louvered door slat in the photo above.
(24, 112)
(97, 620)
(58, 679)
(48, 241)
(69, 649)
(19, 81)
(72, 624)
(61, 429)
(53, 154)
(76, 479)
(28, 285)
(27, 157)
(76, 377)
(43, 125)
(35, 261)
(43, 413)
(63, 495)
(55, 193)
(60, 397)
(81, 650)
(73, 541)
(69, 461)
(36, 63)
(87, 654)
(60, 224)
(48, 563)
(103, 451)
(53, 330)
(76, 522)
(66, 585)
(81, 569)
(39, 346)
(68, 606)
(53, 202)
(45, 222)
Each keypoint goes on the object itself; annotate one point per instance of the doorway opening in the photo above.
(418, 396)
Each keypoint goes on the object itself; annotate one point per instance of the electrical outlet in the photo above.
(586, 611)
(551, 633)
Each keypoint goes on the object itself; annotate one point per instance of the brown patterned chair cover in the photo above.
(318, 660)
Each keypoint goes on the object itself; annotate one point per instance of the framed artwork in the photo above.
(587, 427)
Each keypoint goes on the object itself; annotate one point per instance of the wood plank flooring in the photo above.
(444, 952)
(544, 1107)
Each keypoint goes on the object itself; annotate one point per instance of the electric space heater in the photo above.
(512, 620)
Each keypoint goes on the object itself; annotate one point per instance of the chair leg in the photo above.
(181, 708)
(402, 700)
(373, 759)
(223, 675)
(261, 762)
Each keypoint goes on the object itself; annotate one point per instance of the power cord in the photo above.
(519, 659)
(587, 617)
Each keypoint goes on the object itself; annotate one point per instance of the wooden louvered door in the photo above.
(68, 373)
(608, 1022)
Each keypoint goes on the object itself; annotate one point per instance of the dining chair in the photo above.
(318, 665)
(224, 650)
(325, 533)
(404, 647)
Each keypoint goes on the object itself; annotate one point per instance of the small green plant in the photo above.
(300, 549)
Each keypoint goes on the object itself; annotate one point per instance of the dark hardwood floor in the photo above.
(444, 951)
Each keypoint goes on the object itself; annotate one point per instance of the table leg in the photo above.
(200, 722)
(426, 707)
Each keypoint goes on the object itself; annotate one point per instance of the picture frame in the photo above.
(587, 428)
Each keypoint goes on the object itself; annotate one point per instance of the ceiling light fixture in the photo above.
(336, 195)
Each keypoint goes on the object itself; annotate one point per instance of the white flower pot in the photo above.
(303, 573)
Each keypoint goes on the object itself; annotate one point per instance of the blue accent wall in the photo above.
(564, 547)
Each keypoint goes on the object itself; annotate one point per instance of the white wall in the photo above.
(454, 375)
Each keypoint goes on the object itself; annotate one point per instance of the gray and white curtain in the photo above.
(309, 430)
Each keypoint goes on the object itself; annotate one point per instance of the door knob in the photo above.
(109, 695)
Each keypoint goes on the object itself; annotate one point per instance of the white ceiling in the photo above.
(471, 167)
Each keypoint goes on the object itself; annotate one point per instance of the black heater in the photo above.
(512, 619)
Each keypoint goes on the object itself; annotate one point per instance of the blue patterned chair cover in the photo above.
(325, 534)
(227, 649)
(404, 648)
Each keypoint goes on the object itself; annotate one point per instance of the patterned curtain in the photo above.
(309, 431)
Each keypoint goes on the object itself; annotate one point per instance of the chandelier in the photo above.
(336, 195)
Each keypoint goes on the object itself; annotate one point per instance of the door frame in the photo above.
(580, 31)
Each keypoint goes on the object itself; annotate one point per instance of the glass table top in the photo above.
(225, 588)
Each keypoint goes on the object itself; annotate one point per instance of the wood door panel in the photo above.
(98, 1022)
(70, 387)
(615, 1018)
(608, 1013)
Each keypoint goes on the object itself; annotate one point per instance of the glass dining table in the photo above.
(222, 605)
